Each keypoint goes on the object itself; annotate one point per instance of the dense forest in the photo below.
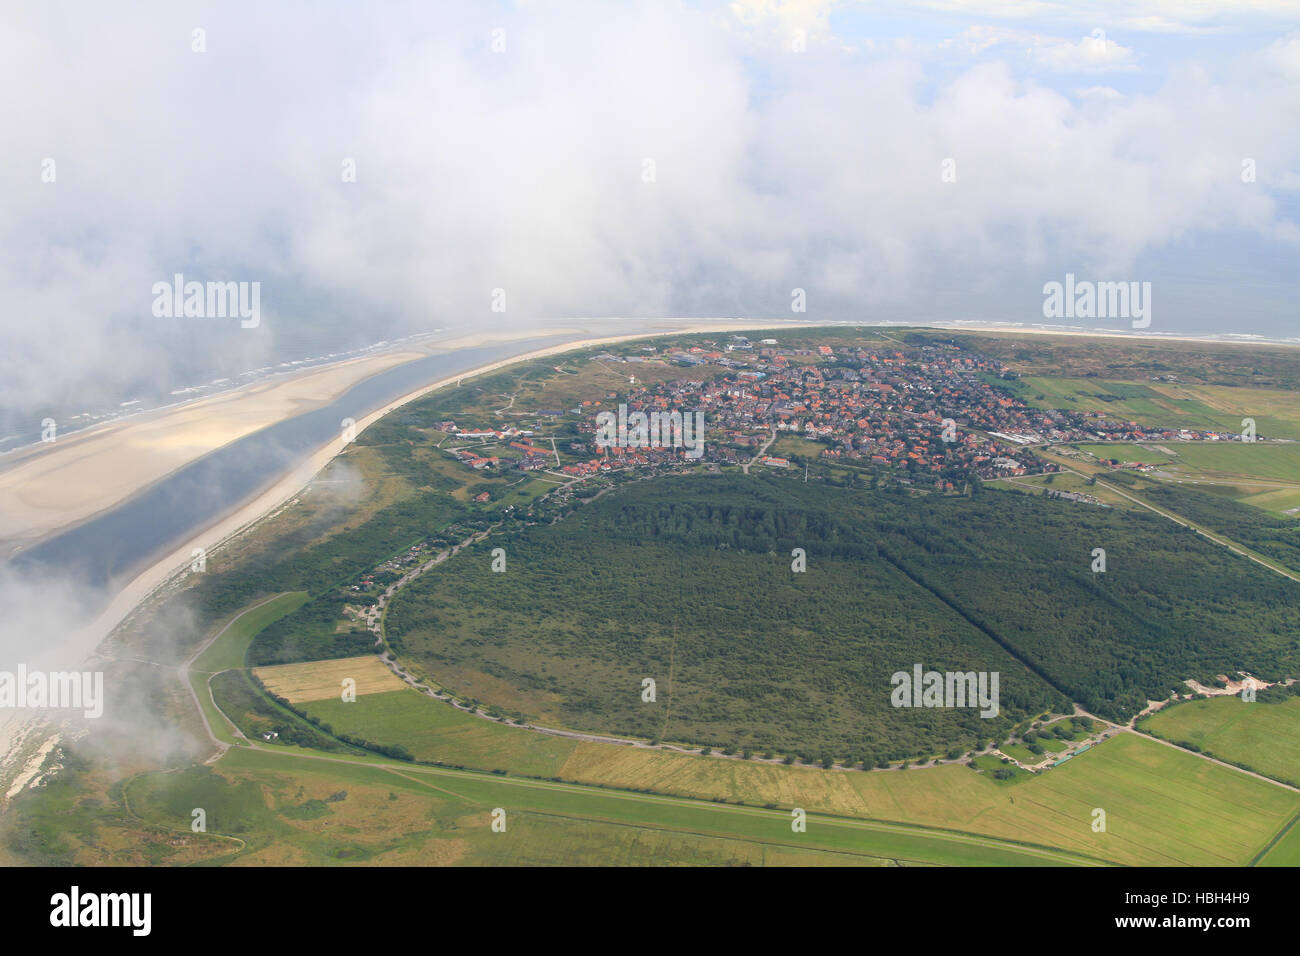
(691, 577)
(699, 595)
(1271, 535)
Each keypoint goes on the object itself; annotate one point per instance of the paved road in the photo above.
(184, 674)
(1222, 542)
(760, 453)
(1129, 728)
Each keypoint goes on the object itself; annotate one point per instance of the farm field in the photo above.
(1264, 476)
(281, 807)
(1161, 801)
(1286, 851)
(1276, 411)
(1260, 460)
(228, 650)
(322, 680)
(1241, 459)
(434, 730)
(1173, 405)
(1264, 736)
(1141, 402)
(1163, 796)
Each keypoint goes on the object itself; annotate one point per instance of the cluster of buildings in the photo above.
(533, 457)
(926, 411)
(393, 566)
(935, 415)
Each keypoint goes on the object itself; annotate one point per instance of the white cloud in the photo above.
(1099, 93)
(1156, 16)
(1091, 54)
(523, 170)
(790, 25)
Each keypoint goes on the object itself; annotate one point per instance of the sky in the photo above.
(385, 169)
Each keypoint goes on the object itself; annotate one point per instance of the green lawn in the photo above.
(436, 731)
(1023, 754)
(228, 650)
(1124, 451)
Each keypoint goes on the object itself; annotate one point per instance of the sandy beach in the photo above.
(46, 488)
(77, 478)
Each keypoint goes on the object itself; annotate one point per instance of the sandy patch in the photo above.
(49, 487)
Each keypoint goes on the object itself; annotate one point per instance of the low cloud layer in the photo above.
(600, 159)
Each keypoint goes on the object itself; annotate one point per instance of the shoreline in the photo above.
(1117, 335)
(253, 509)
(46, 490)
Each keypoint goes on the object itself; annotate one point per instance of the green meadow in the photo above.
(1240, 459)
(435, 731)
(1171, 405)
(227, 652)
(1286, 850)
(1123, 451)
(1263, 735)
(1163, 807)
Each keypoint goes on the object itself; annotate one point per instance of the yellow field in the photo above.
(323, 680)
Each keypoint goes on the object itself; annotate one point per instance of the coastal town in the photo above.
(933, 417)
